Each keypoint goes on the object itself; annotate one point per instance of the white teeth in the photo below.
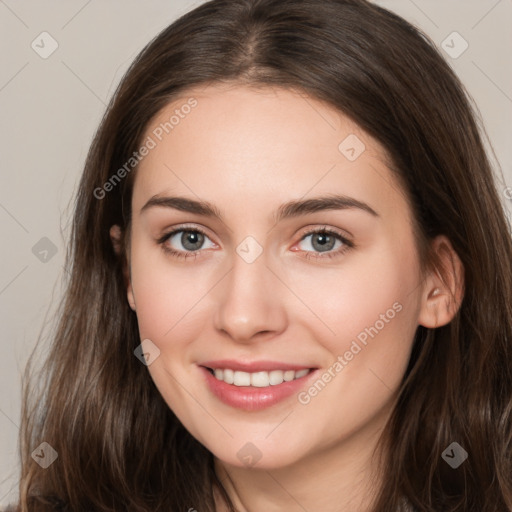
(229, 376)
(242, 379)
(275, 377)
(289, 375)
(258, 379)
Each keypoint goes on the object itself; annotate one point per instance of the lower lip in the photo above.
(251, 398)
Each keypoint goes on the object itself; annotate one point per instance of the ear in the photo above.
(116, 236)
(443, 288)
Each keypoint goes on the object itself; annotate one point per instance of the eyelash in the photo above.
(347, 244)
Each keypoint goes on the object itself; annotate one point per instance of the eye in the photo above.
(184, 242)
(188, 242)
(321, 242)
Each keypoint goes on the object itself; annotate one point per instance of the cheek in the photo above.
(168, 305)
(167, 294)
(368, 294)
(372, 310)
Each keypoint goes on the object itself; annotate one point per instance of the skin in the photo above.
(247, 151)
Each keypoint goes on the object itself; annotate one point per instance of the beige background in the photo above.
(51, 108)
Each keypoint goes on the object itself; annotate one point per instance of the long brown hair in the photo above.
(119, 445)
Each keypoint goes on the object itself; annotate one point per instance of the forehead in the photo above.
(234, 143)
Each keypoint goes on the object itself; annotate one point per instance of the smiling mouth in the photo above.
(260, 379)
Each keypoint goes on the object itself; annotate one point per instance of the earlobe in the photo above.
(443, 289)
(116, 236)
(129, 294)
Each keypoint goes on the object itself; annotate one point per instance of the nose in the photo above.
(249, 301)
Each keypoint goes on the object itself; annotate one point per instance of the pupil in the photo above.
(323, 242)
(191, 240)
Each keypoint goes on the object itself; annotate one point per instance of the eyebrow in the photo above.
(287, 210)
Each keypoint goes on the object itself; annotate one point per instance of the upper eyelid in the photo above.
(322, 227)
(184, 227)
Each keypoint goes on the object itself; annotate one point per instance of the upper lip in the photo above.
(253, 366)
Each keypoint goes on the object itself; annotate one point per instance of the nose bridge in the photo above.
(249, 300)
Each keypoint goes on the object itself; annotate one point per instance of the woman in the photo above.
(209, 356)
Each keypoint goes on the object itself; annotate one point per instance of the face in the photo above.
(271, 243)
